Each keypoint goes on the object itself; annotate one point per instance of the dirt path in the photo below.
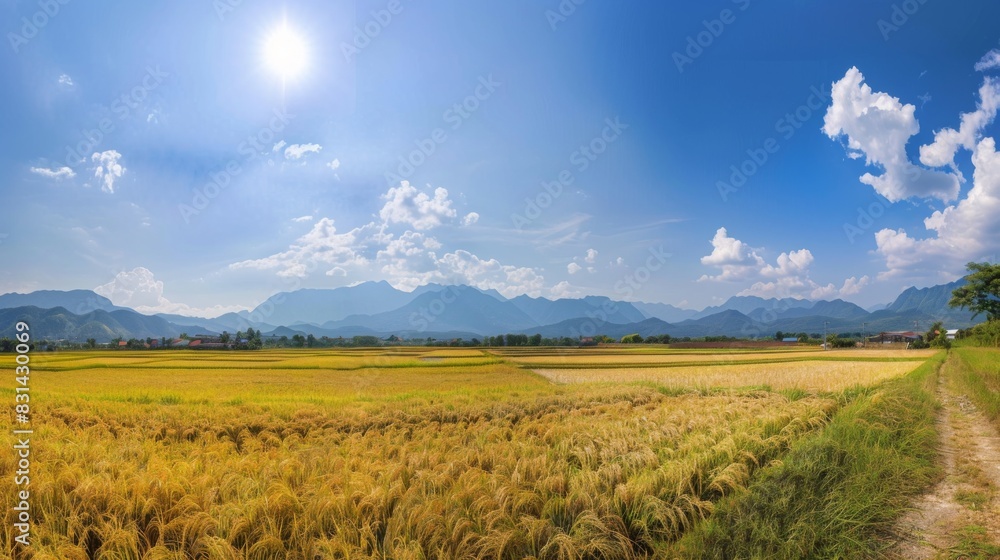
(960, 517)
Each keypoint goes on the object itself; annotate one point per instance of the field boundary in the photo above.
(838, 493)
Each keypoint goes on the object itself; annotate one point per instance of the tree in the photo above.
(91, 343)
(634, 338)
(937, 336)
(225, 337)
(981, 293)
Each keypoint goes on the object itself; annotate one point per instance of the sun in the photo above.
(285, 53)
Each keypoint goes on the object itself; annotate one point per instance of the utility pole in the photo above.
(825, 323)
(864, 334)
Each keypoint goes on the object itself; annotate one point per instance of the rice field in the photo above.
(406, 452)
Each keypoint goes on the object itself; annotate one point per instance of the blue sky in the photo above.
(642, 150)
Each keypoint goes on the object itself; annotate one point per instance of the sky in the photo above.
(199, 156)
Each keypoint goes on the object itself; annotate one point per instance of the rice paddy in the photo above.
(409, 452)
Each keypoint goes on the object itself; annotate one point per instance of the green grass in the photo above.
(835, 494)
(974, 545)
(978, 374)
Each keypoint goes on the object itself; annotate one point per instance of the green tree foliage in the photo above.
(981, 294)
(634, 338)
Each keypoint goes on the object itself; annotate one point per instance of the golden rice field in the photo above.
(404, 453)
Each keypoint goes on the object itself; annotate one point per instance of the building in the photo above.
(952, 333)
(890, 337)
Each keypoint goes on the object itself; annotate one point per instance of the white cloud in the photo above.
(947, 141)
(303, 219)
(405, 205)
(57, 173)
(140, 290)
(789, 264)
(781, 288)
(851, 286)
(412, 260)
(565, 290)
(135, 288)
(66, 80)
(108, 169)
(321, 246)
(334, 165)
(470, 218)
(591, 257)
(990, 61)
(788, 276)
(297, 151)
(736, 260)
(278, 147)
(573, 268)
(963, 232)
(879, 126)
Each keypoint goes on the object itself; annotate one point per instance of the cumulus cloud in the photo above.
(878, 126)
(990, 61)
(591, 257)
(788, 276)
(565, 290)
(948, 141)
(303, 219)
(108, 170)
(963, 232)
(135, 288)
(56, 173)
(573, 268)
(735, 259)
(66, 81)
(412, 260)
(322, 246)
(297, 151)
(406, 205)
(334, 165)
(279, 146)
(470, 218)
(139, 289)
(851, 286)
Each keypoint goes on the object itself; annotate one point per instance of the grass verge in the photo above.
(836, 494)
(978, 375)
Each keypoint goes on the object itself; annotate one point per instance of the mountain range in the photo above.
(446, 312)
